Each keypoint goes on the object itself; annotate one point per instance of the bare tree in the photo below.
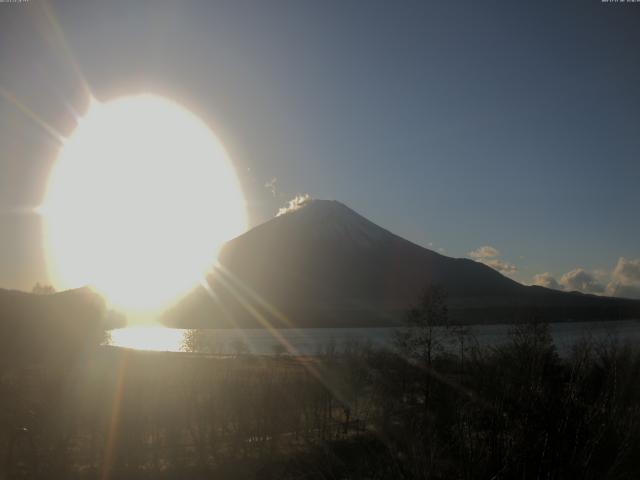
(194, 341)
(421, 338)
(43, 289)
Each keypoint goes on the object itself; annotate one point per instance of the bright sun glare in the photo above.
(138, 203)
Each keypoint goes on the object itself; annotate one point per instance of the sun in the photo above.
(138, 203)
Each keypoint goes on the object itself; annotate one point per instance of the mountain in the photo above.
(38, 328)
(326, 265)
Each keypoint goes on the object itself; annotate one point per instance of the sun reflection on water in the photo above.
(154, 338)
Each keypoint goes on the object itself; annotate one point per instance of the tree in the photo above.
(460, 333)
(43, 289)
(194, 341)
(421, 338)
(239, 347)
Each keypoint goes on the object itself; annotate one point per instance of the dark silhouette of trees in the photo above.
(421, 339)
(435, 406)
(42, 289)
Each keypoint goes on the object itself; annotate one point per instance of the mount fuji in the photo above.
(324, 265)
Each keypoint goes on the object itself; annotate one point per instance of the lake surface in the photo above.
(312, 341)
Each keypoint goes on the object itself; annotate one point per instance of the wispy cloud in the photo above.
(489, 256)
(271, 186)
(484, 252)
(296, 203)
(503, 267)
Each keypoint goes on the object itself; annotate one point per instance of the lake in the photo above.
(311, 341)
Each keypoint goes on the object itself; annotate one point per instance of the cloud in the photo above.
(489, 256)
(271, 186)
(546, 280)
(503, 267)
(296, 203)
(577, 279)
(625, 279)
(581, 280)
(484, 252)
(622, 281)
(624, 291)
(438, 249)
(627, 272)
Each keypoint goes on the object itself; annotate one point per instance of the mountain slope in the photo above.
(36, 328)
(326, 265)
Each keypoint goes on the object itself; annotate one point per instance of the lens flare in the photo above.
(138, 203)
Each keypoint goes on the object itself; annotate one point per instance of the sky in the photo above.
(501, 131)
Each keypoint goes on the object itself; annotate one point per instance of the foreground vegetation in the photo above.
(417, 410)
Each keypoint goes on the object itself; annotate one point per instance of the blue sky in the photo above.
(456, 125)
